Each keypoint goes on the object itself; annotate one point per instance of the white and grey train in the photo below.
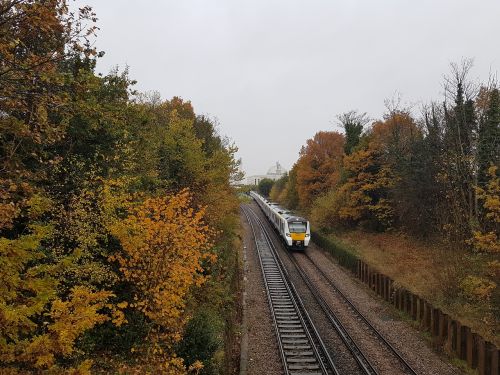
(295, 231)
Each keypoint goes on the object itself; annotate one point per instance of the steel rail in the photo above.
(301, 348)
(394, 351)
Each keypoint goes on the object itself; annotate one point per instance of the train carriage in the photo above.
(295, 231)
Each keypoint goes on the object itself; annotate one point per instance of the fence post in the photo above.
(437, 317)
(389, 291)
(413, 306)
(387, 295)
(458, 346)
(493, 362)
(426, 317)
(419, 310)
(450, 335)
(433, 325)
(407, 302)
(481, 355)
(442, 324)
(468, 346)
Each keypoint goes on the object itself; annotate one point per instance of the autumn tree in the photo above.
(35, 38)
(278, 188)
(319, 166)
(164, 241)
(41, 325)
(460, 130)
(487, 239)
(289, 196)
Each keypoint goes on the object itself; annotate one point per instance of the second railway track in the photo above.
(404, 364)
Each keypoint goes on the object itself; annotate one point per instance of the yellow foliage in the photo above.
(74, 316)
(28, 293)
(68, 320)
(494, 269)
(477, 289)
(196, 367)
(488, 240)
(485, 242)
(364, 191)
(491, 196)
(38, 204)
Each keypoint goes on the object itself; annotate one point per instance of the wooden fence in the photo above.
(446, 332)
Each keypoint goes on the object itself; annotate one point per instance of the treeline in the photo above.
(433, 176)
(117, 218)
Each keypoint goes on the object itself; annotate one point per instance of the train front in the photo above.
(298, 234)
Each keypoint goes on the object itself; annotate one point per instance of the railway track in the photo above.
(405, 365)
(364, 364)
(302, 350)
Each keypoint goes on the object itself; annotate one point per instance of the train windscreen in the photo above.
(297, 226)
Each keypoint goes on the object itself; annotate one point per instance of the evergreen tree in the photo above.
(489, 138)
(265, 186)
(353, 124)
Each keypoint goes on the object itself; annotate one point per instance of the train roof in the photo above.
(294, 218)
(287, 215)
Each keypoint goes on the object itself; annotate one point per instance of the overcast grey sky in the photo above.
(276, 72)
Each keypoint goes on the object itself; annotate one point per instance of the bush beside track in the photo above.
(345, 258)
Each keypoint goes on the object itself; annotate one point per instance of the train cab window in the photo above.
(297, 226)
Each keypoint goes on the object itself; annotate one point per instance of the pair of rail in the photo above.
(300, 344)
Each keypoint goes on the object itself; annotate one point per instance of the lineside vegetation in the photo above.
(117, 219)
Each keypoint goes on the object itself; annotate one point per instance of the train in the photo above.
(295, 231)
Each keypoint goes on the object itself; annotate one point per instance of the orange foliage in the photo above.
(165, 241)
(319, 165)
(395, 134)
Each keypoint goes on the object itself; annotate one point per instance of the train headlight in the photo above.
(307, 235)
(287, 234)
